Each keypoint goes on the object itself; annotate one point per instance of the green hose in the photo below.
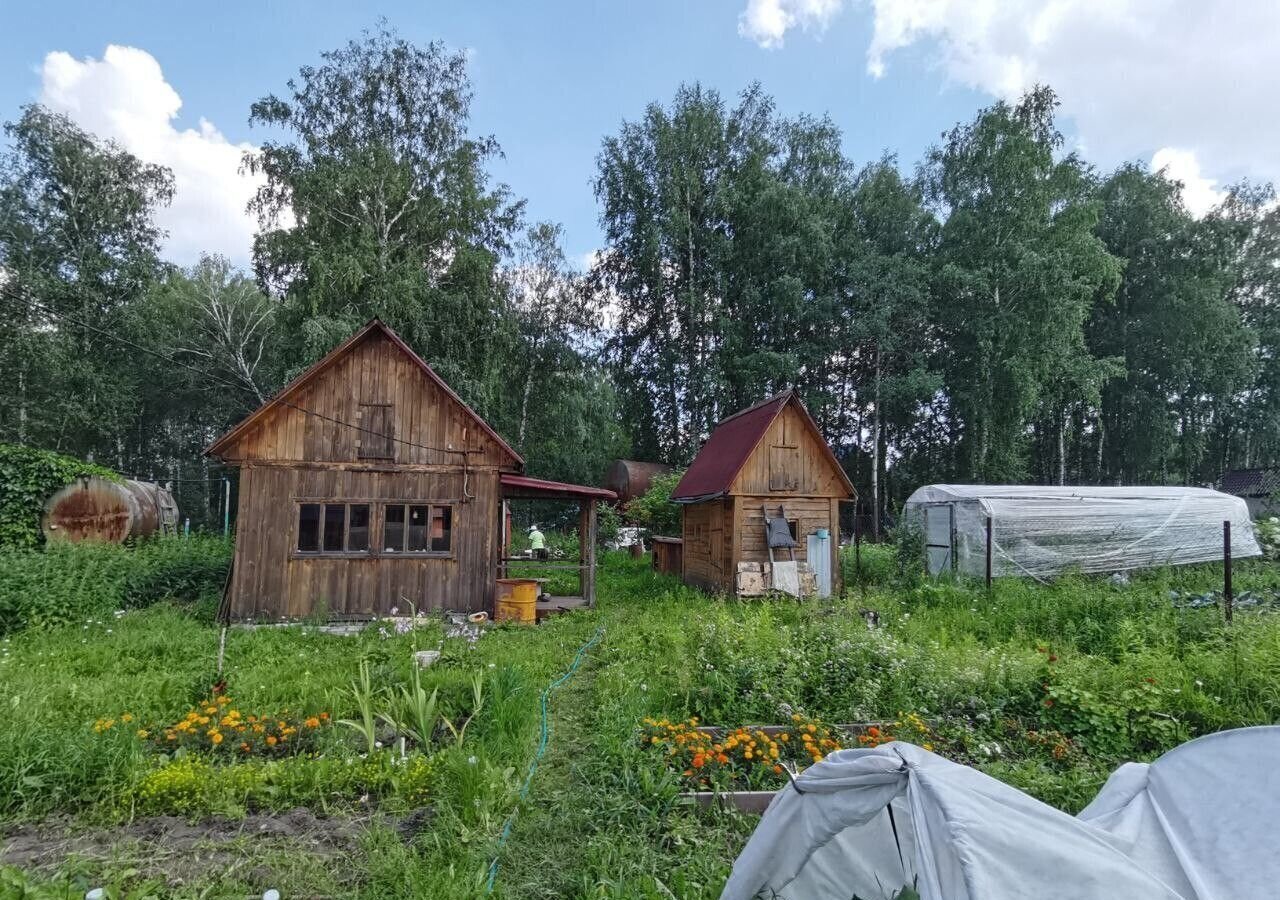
(543, 738)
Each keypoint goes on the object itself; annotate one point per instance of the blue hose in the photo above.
(544, 737)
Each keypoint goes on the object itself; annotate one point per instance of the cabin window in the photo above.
(333, 528)
(376, 439)
(417, 528)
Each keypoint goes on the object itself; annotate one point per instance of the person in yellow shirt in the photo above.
(537, 542)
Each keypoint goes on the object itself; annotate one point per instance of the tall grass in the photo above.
(70, 583)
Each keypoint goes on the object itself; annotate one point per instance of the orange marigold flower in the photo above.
(271, 740)
(312, 722)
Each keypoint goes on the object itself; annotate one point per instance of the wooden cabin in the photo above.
(367, 484)
(772, 457)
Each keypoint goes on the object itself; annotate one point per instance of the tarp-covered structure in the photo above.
(1043, 530)
(1194, 825)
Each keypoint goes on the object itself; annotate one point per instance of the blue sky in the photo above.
(552, 79)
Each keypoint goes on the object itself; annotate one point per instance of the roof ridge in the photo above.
(787, 394)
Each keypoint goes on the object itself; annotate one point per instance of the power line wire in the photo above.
(232, 384)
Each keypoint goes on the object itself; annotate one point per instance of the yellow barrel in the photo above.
(517, 600)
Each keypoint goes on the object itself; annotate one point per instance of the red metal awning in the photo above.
(541, 489)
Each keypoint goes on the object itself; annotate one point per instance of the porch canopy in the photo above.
(523, 487)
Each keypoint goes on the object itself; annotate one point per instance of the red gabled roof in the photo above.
(525, 486)
(732, 442)
(725, 452)
(333, 356)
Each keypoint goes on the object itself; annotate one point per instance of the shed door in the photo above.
(939, 537)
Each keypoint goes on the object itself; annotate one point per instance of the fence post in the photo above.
(988, 553)
(1227, 599)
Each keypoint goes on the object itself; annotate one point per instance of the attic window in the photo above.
(376, 437)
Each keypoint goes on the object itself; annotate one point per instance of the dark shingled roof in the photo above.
(1250, 482)
(726, 451)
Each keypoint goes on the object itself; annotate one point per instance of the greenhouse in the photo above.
(1040, 531)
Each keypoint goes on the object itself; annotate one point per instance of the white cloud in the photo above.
(1133, 75)
(1198, 192)
(767, 21)
(124, 96)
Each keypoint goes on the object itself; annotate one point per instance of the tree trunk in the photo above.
(875, 453)
(1062, 449)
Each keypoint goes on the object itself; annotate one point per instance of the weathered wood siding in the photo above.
(375, 371)
(708, 538)
(789, 467)
(272, 580)
(289, 456)
(789, 461)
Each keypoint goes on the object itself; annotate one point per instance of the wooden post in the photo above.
(587, 551)
(1227, 599)
(988, 553)
(857, 543)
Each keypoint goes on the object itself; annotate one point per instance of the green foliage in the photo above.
(78, 237)
(68, 583)
(28, 477)
(654, 508)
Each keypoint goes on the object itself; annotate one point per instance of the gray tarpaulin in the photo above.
(1194, 825)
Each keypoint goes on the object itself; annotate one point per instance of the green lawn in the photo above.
(1047, 687)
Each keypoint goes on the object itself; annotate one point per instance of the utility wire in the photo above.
(223, 381)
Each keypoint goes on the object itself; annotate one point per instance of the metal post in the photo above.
(226, 506)
(1227, 598)
(988, 553)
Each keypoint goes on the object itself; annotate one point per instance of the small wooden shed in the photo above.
(771, 457)
(367, 484)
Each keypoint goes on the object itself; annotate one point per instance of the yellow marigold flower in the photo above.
(210, 710)
(127, 717)
(216, 737)
(812, 728)
(143, 733)
(224, 700)
(928, 747)
(784, 737)
(653, 740)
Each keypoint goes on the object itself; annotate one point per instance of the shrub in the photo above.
(27, 479)
(189, 570)
(65, 583)
(653, 509)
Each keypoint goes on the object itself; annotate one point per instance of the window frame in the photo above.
(432, 506)
(321, 552)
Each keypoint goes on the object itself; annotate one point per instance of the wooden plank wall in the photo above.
(374, 371)
(810, 514)
(708, 551)
(814, 475)
(291, 455)
(272, 581)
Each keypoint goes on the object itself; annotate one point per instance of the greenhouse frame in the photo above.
(1041, 530)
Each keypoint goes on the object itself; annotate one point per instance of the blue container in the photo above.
(822, 534)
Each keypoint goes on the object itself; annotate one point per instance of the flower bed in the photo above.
(739, 759)
(217, 726)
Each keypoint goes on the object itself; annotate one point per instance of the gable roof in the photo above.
(373, 326)
(731, 444)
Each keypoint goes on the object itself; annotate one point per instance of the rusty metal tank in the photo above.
(629, 478)
(95, 509)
